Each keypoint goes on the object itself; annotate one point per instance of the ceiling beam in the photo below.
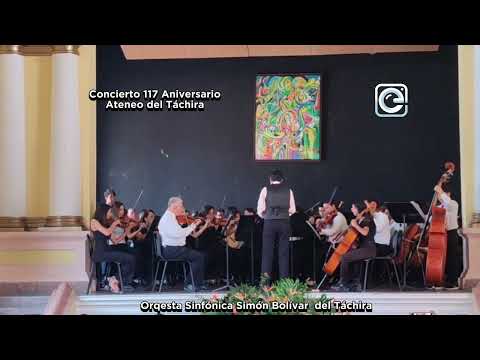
(139, 52)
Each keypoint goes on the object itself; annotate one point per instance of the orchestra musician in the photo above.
(142, 235)
(365, 226)
(110, 197)
(453, 262)
(102, 226)
(276, 204)
(383, 233)
(334, 223)
(174, 239)
(206, 238)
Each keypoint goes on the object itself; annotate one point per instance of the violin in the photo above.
(217, 221)
(188, 220)
(328, 218)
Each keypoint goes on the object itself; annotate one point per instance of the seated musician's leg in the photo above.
(345, 267)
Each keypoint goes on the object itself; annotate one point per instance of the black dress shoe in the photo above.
(202, 288)
(451, 286)
(128, 289)
(340, 288)
(189, 288)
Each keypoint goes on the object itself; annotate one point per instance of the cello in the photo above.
(437, 235)
(349, 239)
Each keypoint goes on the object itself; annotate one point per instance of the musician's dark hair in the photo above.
(379, 204)
(119, 204)
(276, 175)
(360, 206)
(151, 211)
(382, 208)
(101, 214)
(108, 192)
(116, 207)
(143, 214)
(221, 210)
(207, 208)
(448, 189)
(231, 210)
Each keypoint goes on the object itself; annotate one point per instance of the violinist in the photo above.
(334, 223)
(207, 232)
(238, 250)
(145, 222)
(174, 239)
(119, 234)
(142, 235)
(365, 226)
(102, 226)
(211, 242)
(454, 262)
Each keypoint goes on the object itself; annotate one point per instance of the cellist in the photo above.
(453, 261)
(365, 226)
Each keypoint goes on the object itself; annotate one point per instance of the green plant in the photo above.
(283, 297)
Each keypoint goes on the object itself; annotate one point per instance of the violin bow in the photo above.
(138, 199)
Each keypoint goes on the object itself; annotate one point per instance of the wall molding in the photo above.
(39, 50)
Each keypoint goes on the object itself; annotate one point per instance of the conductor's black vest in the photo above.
(278, 202)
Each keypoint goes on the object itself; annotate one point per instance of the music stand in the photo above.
(246, 226)
(330, 248)
(406, 213)
(227, 286)
(150, 231)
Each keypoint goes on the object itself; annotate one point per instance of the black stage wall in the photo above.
(210, 153)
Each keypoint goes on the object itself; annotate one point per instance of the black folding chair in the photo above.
(159, 258)
(94, 264)
(388, 259)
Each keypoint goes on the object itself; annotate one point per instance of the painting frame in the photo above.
(321, 114)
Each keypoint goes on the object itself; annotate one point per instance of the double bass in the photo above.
(437, 235)
(436, 250)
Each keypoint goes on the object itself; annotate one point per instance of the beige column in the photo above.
(13, 164)
(469, 98)
(477, 128)
(65, 174)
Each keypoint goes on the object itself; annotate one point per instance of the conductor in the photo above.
(275, 205)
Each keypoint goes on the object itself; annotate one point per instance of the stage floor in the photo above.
(382, 302)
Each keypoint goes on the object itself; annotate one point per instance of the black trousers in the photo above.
(126, 260)
(383, 250)
(196, 259)
(276, 230)
(354, 256)
(143, 255)
(453, 266)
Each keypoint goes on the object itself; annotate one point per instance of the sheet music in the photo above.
(419, 210)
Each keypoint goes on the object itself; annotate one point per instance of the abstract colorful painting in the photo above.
(287, 117)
